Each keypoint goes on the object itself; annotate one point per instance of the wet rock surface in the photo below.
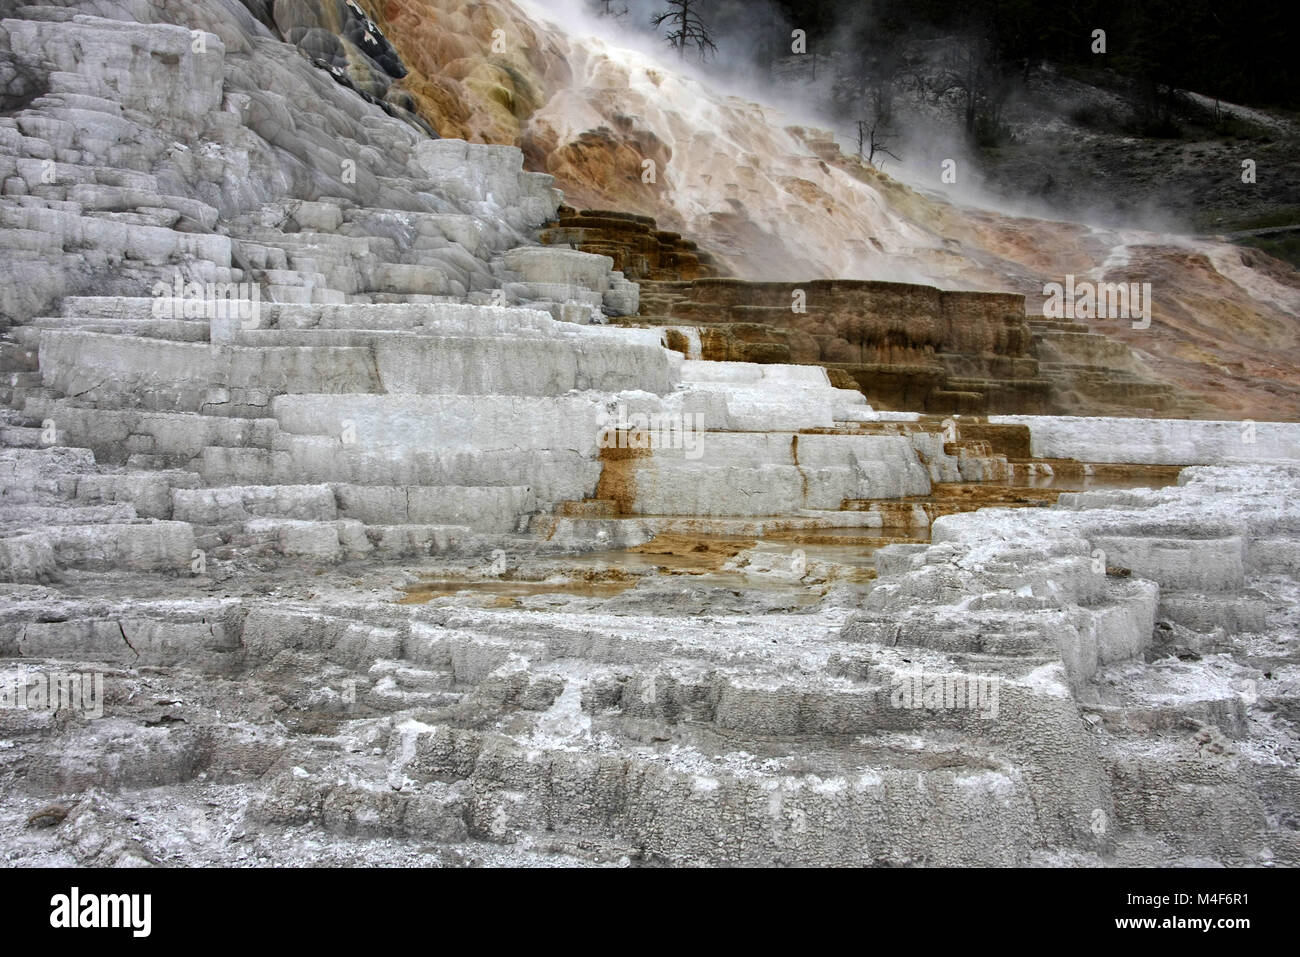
(400, 554)
(996, 696)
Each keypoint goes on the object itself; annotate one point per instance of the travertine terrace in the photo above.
(397, 536)
(904, 346)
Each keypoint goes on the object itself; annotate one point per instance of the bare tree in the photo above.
(873, 141)
(686, 29)
(867, 88)
(611, 8)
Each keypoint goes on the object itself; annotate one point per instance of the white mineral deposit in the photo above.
(371, 496)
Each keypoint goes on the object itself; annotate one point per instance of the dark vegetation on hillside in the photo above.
(1242, 52)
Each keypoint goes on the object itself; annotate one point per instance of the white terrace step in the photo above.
(133, 371)
(147, 244)
(190, 632)
(346, 263)
(271, 244)
(163, 214)
(1166, 695)
(27, 473)
(347, 539)
(767, 397)
(1157, 441)
(22, 437)
(149, 493)
(582, 345)
(29, 245)
(237, 504)
(64, 100)
(553, 475)
(731, 473)
(475, 235)
(1116, 625)
(434, 318)
(430, 265)
(497, 508)
(441, 423)
(26, 518)
(806, 450)
(34, 173)
(152, 546)
(672, 805)
(328, 316)
(45, 202)
(553, 292)
(96, 196)
(1212, 810)
(740, 491)
(552, 265)
(303, 294)
(177, 330)
(1201, 565)
(625, 531)
(765, 410)
(484, 508)
(257, 255)
(113, 434)
(700, 370)
(49, 476)
(297, 215)
(766, 701)
(404, 686)
(122, 308)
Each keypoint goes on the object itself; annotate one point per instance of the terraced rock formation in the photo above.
(640, 250)
(906, 347)
(913, 348)
(997, 699)
(386, 548)
(775, 198)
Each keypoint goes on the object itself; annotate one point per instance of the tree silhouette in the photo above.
(873, 141)
(686, 28)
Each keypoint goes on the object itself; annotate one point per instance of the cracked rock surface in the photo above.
(372, 565)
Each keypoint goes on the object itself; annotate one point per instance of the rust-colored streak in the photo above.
(618, 472)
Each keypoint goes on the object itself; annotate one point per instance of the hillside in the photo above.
(769, 194)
